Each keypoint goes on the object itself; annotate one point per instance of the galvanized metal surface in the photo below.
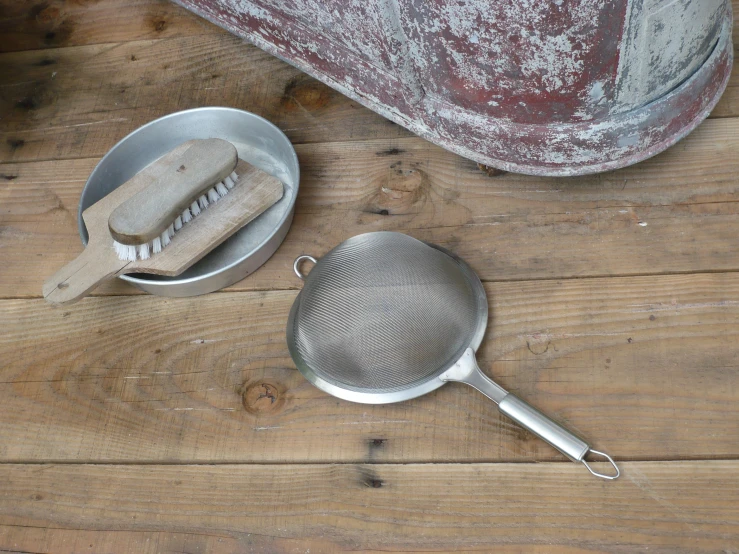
(257, 141)
(555, 88)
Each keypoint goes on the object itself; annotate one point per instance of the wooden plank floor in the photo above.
(131, 423)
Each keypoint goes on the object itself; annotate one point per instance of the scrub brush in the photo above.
(167, 217)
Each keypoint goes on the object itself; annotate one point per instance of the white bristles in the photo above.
(124, 251)
(133, 252)
(167, 235)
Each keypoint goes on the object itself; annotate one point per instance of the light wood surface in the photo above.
(614, 304)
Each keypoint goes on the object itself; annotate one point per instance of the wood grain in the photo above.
(53, 24)
(614, 307)
(642, 367)
(656, 507)
(92, 96)
(147, 214)
(676, 212)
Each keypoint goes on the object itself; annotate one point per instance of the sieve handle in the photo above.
(540, 425)
(467, 371)
(553, 433)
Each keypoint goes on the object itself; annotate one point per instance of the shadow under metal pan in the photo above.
(258, 142)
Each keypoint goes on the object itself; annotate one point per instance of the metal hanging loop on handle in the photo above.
(298, 261)
(602, 475)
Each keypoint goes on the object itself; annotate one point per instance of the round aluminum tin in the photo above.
(419, 389)
(258, 142)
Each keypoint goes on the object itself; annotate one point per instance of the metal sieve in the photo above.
(384, 317)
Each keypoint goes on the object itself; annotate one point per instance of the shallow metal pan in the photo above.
(258, 142)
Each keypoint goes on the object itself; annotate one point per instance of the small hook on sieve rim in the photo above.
(298, 261)
(601, 475)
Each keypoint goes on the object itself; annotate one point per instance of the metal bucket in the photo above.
(557, 87)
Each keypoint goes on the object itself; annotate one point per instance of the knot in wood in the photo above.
(402, 191)
(262, 397)
(308, 95)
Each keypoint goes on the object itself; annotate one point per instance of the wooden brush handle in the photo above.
(95, 264)
(147, 214)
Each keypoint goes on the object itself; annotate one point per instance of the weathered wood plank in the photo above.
(674, 213)
(74, 102)
(675, 507)
(58, 23)
(644, 367)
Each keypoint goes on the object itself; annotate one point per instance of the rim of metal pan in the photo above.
(258, 141)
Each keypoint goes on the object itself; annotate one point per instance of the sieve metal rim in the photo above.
(432, 382)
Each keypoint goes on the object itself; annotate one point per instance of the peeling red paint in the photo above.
(559, 87)
(526, 61)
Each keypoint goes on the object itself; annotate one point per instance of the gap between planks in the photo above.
(416, 462)
(132, 291)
